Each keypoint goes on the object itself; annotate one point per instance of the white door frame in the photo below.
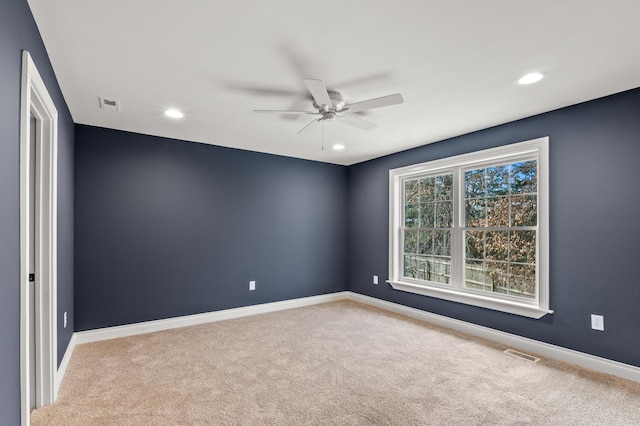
(35, 100)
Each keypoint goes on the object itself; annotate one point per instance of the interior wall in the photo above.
(18, 31)
(594, 150)
(285, 222)
(167, 228)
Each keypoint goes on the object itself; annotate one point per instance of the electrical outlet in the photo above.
(597, 322)
(64, 320)
(375, 279)
(252, 285)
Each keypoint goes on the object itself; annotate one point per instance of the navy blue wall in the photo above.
(17, 32)
(594, 226)
(167, 228)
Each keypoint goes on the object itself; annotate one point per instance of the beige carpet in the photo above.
(335, 363)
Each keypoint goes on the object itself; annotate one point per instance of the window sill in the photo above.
(516, 308)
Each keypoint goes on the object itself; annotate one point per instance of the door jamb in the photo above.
(35, 99)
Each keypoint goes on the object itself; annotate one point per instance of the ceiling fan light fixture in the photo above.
(330, 115)
(174, 113)
(531, 78)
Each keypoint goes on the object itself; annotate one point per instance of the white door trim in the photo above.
(35, 100)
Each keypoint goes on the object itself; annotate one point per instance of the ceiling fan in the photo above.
(330, 105)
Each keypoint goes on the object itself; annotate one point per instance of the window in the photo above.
(474, 228)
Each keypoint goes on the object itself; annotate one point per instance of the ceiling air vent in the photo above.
(109, 104)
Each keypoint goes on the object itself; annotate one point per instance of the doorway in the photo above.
(38, 242)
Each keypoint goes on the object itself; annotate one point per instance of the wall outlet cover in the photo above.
(597, 322)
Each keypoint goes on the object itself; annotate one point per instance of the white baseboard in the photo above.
(593, 362)
(169, 323)
(62, 368)
(603, 365)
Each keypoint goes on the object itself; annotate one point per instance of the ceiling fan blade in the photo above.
(375, 103)
(385, 75)
(252, 89)
(284, 111)
(318, 91)
(310, 126)
(356, 122)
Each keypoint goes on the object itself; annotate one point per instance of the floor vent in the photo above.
(521, 355)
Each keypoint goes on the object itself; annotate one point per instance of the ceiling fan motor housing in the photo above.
(330, 105)
(336, 98)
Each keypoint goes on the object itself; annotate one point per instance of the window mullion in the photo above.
(457, 243)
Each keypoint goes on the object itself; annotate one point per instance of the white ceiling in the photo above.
(456, 63)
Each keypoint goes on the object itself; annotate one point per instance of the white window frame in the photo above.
(537, 307)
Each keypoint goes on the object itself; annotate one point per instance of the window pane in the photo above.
(444, 188)
(441, 270)
(423, 267)
(427, 189)
(497, 180)
(444, 214)
(522, 280)
(489, 202)
(524, 177)
(496, 277)
(474, 243)
(524, 210)
(411, 212)
(522, 246)
(498, 211)
(475, 213)
(475, 274)
(427, 213)
(442, 243)
(425, 243)
(410, 241)
(410, 266)
(497, 245)
(474, 183)
(411, 192)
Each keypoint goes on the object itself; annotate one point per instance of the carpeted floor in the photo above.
(334, 363)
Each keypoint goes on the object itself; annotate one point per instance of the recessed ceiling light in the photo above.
(338, 147)
(531, 78)
(173, 113)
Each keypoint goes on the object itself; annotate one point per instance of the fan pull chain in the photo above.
(322, 135)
